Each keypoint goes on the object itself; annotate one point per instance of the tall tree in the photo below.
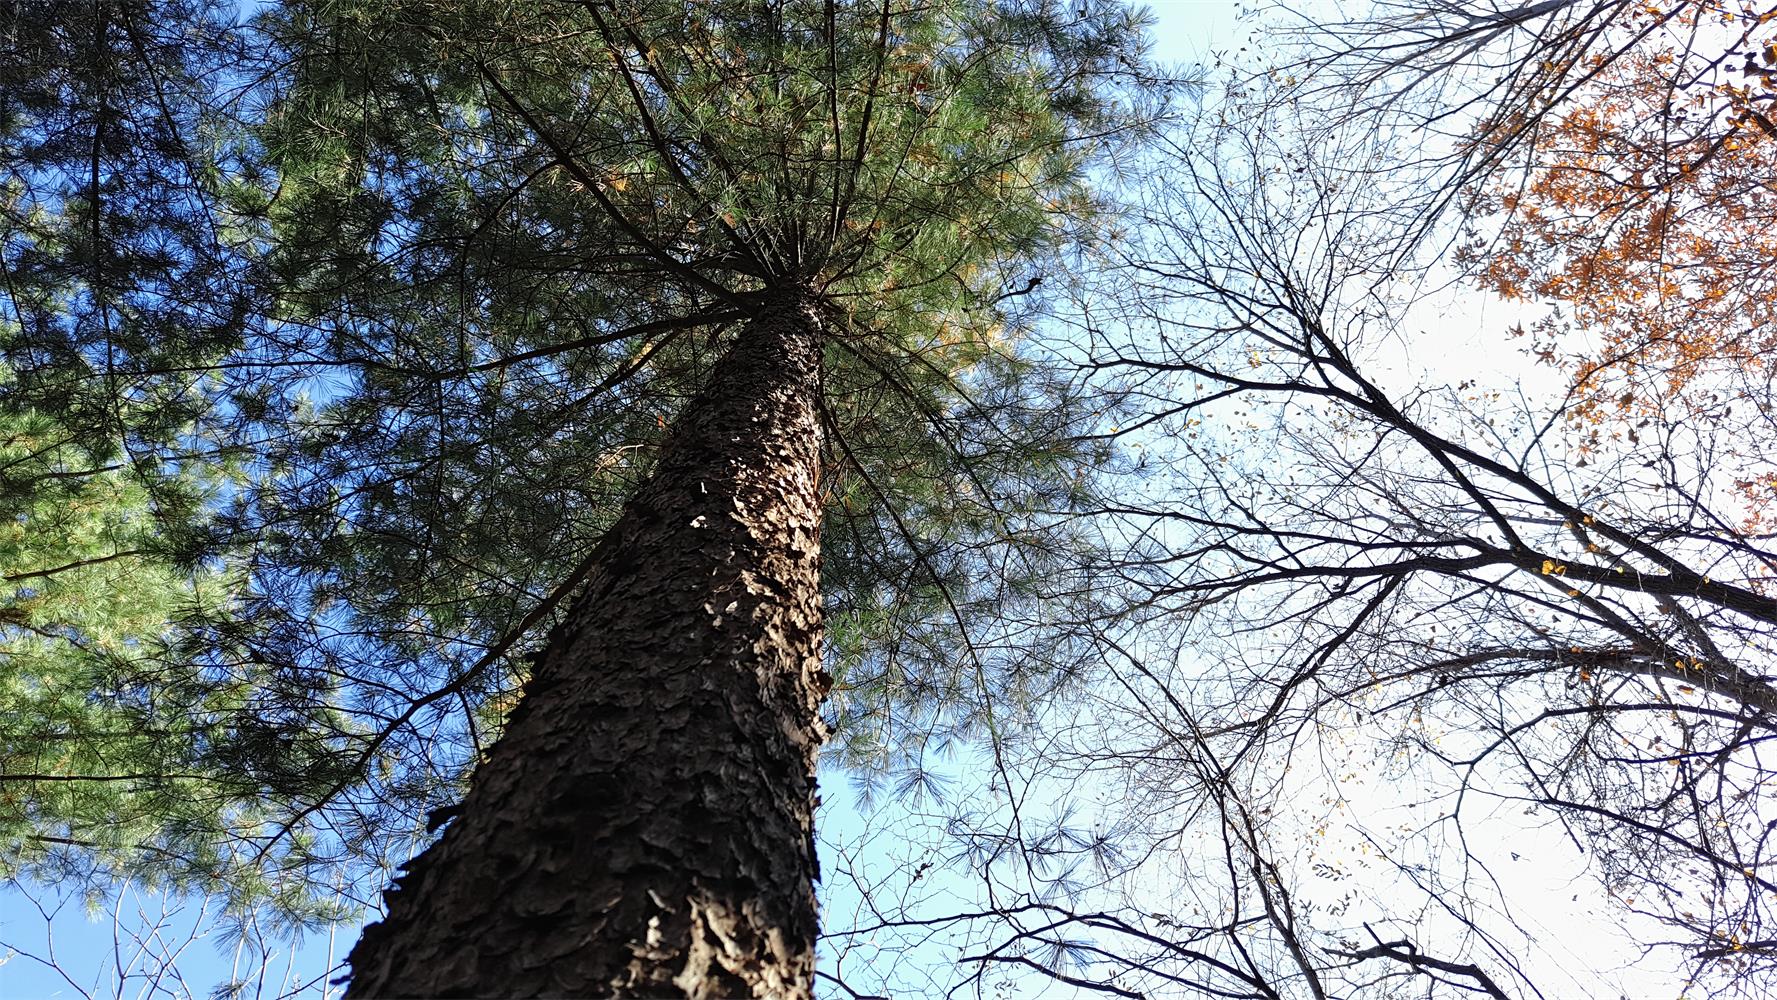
(522, 233)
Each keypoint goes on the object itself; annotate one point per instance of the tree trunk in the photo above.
(645, 825)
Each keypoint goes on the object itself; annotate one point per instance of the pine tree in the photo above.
(534, 237)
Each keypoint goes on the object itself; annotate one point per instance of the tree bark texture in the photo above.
(644, 828)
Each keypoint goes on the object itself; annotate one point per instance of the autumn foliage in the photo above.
(1648, 211)
(1648, 217)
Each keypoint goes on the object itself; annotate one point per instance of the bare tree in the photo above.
(1577, 631)
(1479, 81)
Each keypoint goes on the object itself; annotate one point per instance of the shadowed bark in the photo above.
(644, 827)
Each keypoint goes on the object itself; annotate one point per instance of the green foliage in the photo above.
(126, 708)
(526, 231)
(107, 733)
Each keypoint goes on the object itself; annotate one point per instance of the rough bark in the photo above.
(645, 825)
